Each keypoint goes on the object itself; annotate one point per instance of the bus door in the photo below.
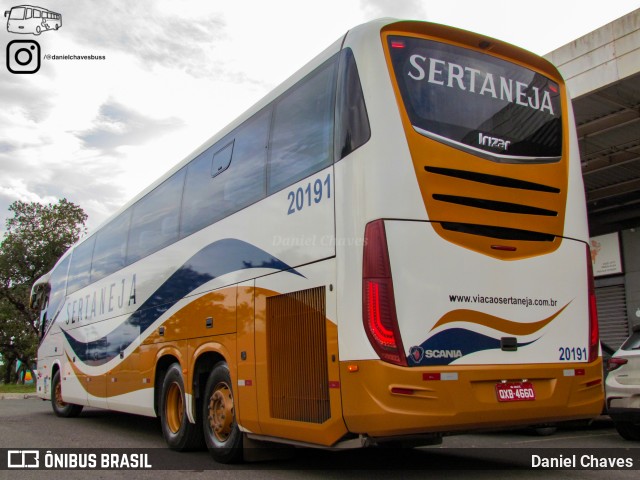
(49, 349)
(73, 378)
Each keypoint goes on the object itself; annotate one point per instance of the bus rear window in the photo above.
(477, 102)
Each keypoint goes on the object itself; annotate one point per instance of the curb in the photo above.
(16, 396)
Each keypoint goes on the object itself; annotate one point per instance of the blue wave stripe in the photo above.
(453, 340)
(217, 259)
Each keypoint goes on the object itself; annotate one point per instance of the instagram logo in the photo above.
(23, 56)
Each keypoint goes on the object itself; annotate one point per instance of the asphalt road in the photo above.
(30, 424)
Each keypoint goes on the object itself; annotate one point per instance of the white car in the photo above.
(623, 387)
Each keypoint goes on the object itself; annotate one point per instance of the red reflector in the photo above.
(334, 384)
(593, 383)
(397, 44)
(504, 248)
(402, 391)
(430, 376)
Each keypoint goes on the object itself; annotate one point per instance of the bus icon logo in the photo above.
(23, 458)
(34, 20)
(23, 56)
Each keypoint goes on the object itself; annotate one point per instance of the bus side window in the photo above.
(352, 121)
(302, 131)
(244, 183)
(154, 223)
(221, 183)
(222, 159)
(197, 208)
(80, 265)
(57, 282)
(110, 251)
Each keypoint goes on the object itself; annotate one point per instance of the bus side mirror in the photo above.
(6, 13)
(37, 295)
(33, 300)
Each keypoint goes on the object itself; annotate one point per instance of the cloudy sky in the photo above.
(175, 72)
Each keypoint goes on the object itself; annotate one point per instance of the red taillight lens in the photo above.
(378, 313)
(615, 363)
(378, 304)
(594, 333)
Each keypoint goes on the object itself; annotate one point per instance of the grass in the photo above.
(17, 388)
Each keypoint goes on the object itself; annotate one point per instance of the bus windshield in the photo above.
(478, 102)
(17, 13)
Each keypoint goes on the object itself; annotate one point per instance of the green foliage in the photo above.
(18, 388)
(35, 238)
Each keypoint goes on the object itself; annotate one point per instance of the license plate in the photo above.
(515, 392)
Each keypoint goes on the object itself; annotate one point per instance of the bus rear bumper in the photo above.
(383, 400)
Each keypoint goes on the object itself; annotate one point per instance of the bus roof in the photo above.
(35, 7)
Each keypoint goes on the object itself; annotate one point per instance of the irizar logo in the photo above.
(442, 353)
(493, 142)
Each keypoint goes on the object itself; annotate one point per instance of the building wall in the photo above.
(591, 64)
(631, 259)
(601, 57)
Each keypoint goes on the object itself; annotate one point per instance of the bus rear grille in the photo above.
(494, 205)
(297, 356)
(500, 233)
(494, 180)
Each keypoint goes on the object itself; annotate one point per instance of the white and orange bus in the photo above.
(392, 245)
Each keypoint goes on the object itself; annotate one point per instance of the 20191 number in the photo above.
(309, 195)
(572, 354)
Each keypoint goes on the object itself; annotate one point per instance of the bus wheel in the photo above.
(60, 407)
(221, 432)
(38, 30)
(178, 432)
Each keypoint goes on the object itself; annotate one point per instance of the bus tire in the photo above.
(221, 433)
(60, 407)
(178, 432)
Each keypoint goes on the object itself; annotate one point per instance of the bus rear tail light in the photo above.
(594, 333)
(378, 303)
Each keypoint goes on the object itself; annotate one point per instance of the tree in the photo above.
(35, 238)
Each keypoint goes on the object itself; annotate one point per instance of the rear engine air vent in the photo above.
(501, 233)
(297, 356)
(495, 180)
(495, 205)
